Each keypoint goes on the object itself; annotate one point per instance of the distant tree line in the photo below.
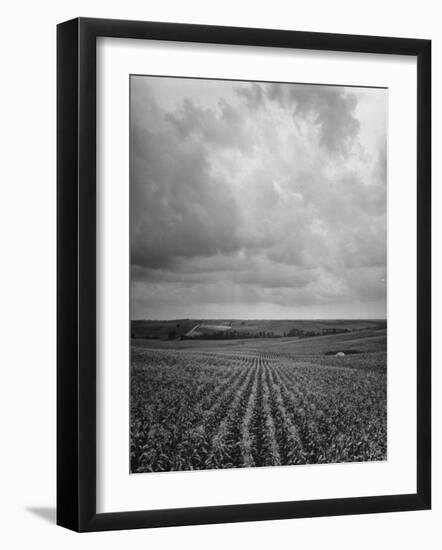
(230, 335)
(173, 334)
(299, 333)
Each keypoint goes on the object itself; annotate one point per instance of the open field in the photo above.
(248, 328)
(204, 404)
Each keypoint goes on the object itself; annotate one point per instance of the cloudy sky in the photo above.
(257, 200)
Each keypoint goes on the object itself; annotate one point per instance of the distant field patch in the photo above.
(206, 330)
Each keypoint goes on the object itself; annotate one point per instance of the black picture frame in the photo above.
(76, 274)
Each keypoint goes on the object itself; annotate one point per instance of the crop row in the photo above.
(192, 410)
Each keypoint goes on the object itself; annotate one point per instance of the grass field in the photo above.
(205, 404)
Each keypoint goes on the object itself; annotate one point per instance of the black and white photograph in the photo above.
(258, 235)
(244, 290)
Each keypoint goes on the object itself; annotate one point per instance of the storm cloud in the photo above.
(257, 199)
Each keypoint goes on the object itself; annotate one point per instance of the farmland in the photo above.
(205, 404)
(234, 328)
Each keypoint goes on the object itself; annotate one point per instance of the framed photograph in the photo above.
(243, 274)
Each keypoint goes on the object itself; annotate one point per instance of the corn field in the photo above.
(198, 409)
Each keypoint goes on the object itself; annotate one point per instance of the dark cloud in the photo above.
(330, 108)
(179, 208)
(255, 199)
(253, 94)
(223, 127)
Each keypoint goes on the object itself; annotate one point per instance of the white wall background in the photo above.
(27, 289)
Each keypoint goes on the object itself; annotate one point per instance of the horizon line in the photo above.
(265, 319)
